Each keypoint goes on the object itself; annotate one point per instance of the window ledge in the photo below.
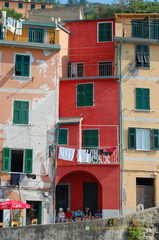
(139, 110)
(21, 124)
(21, 78)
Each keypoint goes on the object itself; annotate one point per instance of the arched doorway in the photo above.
(79, 189)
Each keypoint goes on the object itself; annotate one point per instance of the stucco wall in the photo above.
(91, 230)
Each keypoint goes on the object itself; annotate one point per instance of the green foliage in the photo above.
(11, 13)
(135, 231)
(113, 222)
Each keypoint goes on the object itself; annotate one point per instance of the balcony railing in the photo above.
(30, 35)
(80, 70)
(94, 156)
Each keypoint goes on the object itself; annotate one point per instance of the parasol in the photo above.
(12, 204)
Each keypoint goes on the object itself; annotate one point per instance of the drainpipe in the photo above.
(121, 132)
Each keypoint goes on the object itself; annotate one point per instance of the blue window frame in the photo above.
(36, 35)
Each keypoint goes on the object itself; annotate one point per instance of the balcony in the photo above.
(102, 69)
(108, 155)
(40, 37)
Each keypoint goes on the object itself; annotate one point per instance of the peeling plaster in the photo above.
(42, 67)
(44, 87)
(31, 56)
(52, 61)
(47, 52)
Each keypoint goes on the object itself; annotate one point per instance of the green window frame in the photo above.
(20, 5)
(105, 32)
(143, 98)
(21, 112)
(6, 4)
(43, 6)
(142, 56)
(22, 65)
(85, 94)
(90, 138)
(32, 6)
(6, 160)
(62, 136)
(132, 138)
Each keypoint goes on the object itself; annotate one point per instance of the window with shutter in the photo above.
(22, 65)
(155, 139)
(105, 32)
(142, 56)
(28, 160)
(20, 112)
(36, 35)
(143, 98)
(62, 136)
(132, 138)
(6, 159)
(85, 94)
(90, 138)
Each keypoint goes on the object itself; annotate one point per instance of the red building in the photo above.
(88, 166)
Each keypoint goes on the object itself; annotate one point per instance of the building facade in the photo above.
(137, 41)
(88, 165)
(29, 76)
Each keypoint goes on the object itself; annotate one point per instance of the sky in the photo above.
(99, 1)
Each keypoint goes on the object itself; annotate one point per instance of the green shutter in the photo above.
(143, 98)
(132, 138)
(6, 159)
(104, 32)
(20, 114)
(80, 95)
(28, 160)
(22, 65)
(155, 139)
(85, 94)
(62, 138)
(90, 138)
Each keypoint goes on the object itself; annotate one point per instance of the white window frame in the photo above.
(143, 139)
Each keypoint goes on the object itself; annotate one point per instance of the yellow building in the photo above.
(137, 41)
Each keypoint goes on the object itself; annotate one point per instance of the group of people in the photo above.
(79, 215)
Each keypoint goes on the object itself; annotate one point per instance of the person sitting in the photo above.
(87, 214)
(98, 214)
(61, 215)
(78, 215)
(68, 215)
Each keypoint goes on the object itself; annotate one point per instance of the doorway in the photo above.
(145, 192)
(62, 196)
(35, 212)
(91, 196)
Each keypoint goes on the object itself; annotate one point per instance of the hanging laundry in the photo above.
(18, 27)
(22, 176)
(3, 20)
(14, 179)
(66, 153)
(111, 150)
(33, 176)
(11, 24)
(83, 156)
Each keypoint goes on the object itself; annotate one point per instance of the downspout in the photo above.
(121, 132)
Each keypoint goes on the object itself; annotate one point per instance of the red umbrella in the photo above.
(12, 204)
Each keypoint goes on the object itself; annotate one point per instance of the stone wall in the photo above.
(103, 229)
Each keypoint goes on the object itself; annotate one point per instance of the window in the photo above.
(75, 69)
(143, 98)
(42, 6)
(85, 94)
(21, 112)
(20, 5)
(6, 4)
(105, 68)
(32, 6)
(63, 136)
(142, 56)
(90, 138)
(22, 65)
(140, 28)
(17, 160)
(139, 139)
(36, 35)
(105, 32)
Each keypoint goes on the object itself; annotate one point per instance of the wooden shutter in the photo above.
(16, 113)
(88, 95)
(143, 98)
(155, 139)
(104, 32)
(20, 115)
(24, 112)
(28, 160)
(90, 138)
(6, 159)
(62, 138)
(146, 98)
(26, 66)
(80, 95)
(132, 138)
